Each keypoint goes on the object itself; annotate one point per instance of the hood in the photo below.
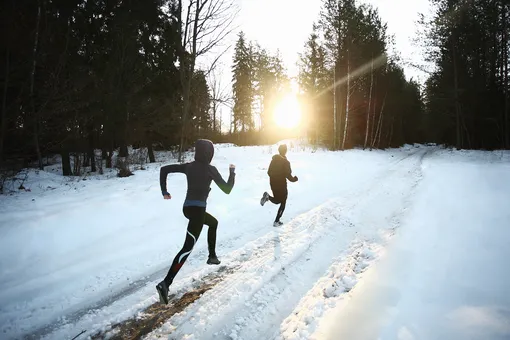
(204, 151)
(282, 149)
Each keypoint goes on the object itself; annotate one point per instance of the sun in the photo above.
(287, 113)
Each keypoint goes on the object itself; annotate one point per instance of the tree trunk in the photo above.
(317, 120)
(233, 128)
(469, 145)
(77, 164)
(347, 100)
(150, 150)
(35, 114)
(93, 167)
(109, 155)
(66, 161)
(391, 130)
(188, 73)
(186, 105)
(372, 136)
(109, 159)
(219, 132)
(4, 104)
(334, 106)
(214, 104)
(456, 98)
(123, 149)
(377, 136)
(91, 153)
(505, 77)
(86, 159)
(369, 103)
(122, 140)
(183, 127)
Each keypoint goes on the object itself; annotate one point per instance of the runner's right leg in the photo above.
(196, 217)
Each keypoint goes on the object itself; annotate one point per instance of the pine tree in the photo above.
(243, 92)
(314, 81)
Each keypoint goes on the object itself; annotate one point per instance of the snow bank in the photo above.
(445, 276)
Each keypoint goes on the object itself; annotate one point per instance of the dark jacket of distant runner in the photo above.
(199, 174)
(279, 172)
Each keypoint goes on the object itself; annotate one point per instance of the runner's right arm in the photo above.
(165, 170)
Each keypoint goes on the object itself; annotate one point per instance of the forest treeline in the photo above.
(86, 78)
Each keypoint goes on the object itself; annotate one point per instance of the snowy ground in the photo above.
(398, 244)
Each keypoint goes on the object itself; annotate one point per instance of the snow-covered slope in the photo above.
(87, 255)
(446, 274)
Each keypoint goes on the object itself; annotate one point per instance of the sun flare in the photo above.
(287, 113)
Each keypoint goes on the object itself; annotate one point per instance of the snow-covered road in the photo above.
(86, 256)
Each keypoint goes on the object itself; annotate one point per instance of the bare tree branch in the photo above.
(216, 23)
(216, 60)
(208, 23)
(188, 23)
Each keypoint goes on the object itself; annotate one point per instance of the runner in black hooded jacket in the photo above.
(279, 172)
(199, 176)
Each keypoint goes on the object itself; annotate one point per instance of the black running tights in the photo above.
(282, 201)
(197, 217)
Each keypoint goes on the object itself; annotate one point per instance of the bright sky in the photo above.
(286, 25)
(401, 17)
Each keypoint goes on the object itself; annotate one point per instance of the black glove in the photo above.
(295, 178)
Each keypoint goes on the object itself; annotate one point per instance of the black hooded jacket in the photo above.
(279, 171)
(199, 174)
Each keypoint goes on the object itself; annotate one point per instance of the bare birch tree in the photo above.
(347, 99)
(203, 26)
(377, 137)
(369, 104)
(220, 96)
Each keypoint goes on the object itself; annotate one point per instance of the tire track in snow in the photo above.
(295, 239)
(264, 310)
(255, 254)
(154, 315)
